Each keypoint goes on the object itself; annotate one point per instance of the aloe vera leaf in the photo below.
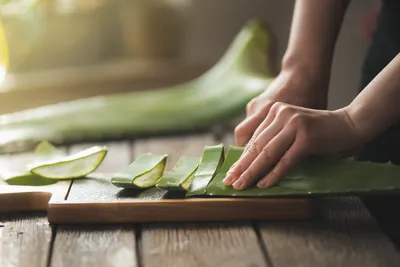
(186, 184)
(43, 151)
(73, 166)
(182, 172)
(24, 178)
(210, 163)
(144, 172)
(316, 176)
(50, 164)
(242, 73)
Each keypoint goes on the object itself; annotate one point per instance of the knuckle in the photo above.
(249, 175)
(253, 147)
(299, 120)
(266, 108)
(267, 152)
(275, 107)
(285, 163)
(282, 109)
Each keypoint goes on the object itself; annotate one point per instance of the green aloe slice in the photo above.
(24, 178)
(73, 166)
(218, 95)
(144, 172)
(211, 161)
(43, 151)
(316, 176)
(181, 175)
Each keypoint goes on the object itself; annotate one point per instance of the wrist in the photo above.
(360, 125)
(307, 83)
(306, 66)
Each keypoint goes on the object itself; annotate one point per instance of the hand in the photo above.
(292, 87)
(288, 133)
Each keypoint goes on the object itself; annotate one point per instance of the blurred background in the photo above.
(57, 50)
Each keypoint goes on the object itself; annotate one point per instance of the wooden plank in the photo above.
(206, 244)
(112, 245)
(154, 209)
(344, 234)
(25, 238)
(200, 245)
(94, 246)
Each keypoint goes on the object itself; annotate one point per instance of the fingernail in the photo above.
(262, 184)
(227, 180)
(239, 185)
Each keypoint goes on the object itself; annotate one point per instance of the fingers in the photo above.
(264, 124)
(253, 149)
(269, 155)
(290, 158)
(245, 129)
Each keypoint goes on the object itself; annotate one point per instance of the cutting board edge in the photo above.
(174, 210)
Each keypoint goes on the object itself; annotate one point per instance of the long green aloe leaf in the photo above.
(180, 176)
(219, 94)
(211, 161)
(316, 176)
(143, 173)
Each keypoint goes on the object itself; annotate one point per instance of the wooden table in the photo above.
(343, 234)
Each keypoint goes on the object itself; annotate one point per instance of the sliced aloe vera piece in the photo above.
(24, 178)
(43, 151)
(144, 172)
(181, 175)
(211, 161)
(76, 165)
(316, 176)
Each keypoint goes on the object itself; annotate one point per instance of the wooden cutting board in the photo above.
(97, 201)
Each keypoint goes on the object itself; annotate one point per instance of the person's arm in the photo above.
(377, 107)
(306, 65)
(291, 132)
(313, 34)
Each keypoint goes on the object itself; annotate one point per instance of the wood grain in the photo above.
(31, 198)
(344, 234)
(196, 244)
(179, 210)
(95, 246)
(25, 238)
(113, 245)
(209, 244)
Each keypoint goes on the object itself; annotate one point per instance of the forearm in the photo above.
(377, 107)
(314, 30)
